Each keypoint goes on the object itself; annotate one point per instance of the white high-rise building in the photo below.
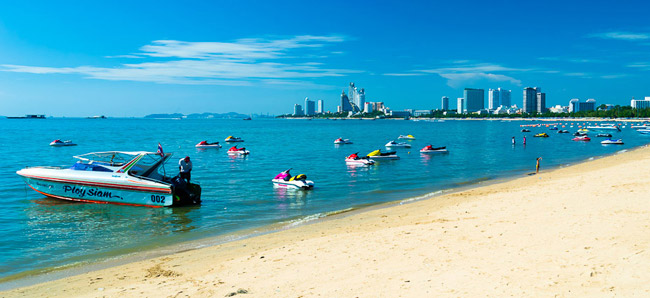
(494, 99)
(320, 109)
(460, 105)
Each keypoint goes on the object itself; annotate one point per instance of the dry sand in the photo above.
(577, 231)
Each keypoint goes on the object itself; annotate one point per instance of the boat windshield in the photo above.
(150, 166)
(110, 158)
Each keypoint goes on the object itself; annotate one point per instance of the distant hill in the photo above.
(231, 115)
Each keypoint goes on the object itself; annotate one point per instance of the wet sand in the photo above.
(576, 231)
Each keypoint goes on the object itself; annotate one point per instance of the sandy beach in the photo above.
(576, 231)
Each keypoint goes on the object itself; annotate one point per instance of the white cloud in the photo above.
(403, 74)
(458, 76)
(223, 63)
(457, 80)
(621, 35)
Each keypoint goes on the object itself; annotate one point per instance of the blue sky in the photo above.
(140, 57)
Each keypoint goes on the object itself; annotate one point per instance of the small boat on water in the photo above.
(604, 128)
(205, 145)
(378, 155)
(578, 133)
(396, 144)
(355, 159)
(285, 180)
(644, 131)
(238, 151)
(612, 142)
(525, 130)
(115, 177)
(406, 137)
(563, 131)
(541, 135)
(231, 139)
(429, 149)
(553, 128)
(603, 135)
(582, 138)
(59, 143)
(342, 141)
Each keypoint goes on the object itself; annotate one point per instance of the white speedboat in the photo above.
(356, 160)
(341, 141)
(612, 142)
(406, 137)
(396, 144)
(644, 131)
(59, 143)
(123, 178)
(604, 128)
(285, 180)
(378, 155)
(231, 139)
(205, 145)
(238, 151)
(429, 149)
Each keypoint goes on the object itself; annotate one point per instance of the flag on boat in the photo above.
(160, 151)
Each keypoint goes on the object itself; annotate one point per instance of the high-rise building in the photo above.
(541, 102)
(460, 105)
(320, 108)
(445, 103)
(297, 110)
(345, 102)
(493, 99)
(530, 100)
(640, 104)
(574, 105)
(589, 105)
(474, 99)
(310, 108)
(504, 97)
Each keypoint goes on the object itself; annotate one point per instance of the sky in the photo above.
(134, 58)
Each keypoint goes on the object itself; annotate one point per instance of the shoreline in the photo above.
(337, 220)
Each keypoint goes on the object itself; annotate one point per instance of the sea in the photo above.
(42, 235)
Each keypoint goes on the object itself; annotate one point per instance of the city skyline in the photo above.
(70, 60)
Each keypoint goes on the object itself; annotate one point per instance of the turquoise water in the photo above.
(40, 233)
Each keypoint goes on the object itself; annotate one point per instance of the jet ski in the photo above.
(396, 144)
(355, 159)
(378, 155)
(562, 131)
(612, 142)
(341, 141)
(59, 143)
(285, 180)
(553, 128)
(541, 135)
(525, 130)
(584, 138)
(406, 137)
(231, 139)
(205, 144)
(604, 135)
(578, 133)
(238, 151)
(430, 149)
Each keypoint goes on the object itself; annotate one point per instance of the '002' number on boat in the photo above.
(158, 199)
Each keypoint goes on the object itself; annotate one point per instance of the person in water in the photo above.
(185, 168)
(524, 140)
(537, 165)
(513, 140)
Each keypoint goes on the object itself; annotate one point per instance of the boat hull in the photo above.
(100, 193)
